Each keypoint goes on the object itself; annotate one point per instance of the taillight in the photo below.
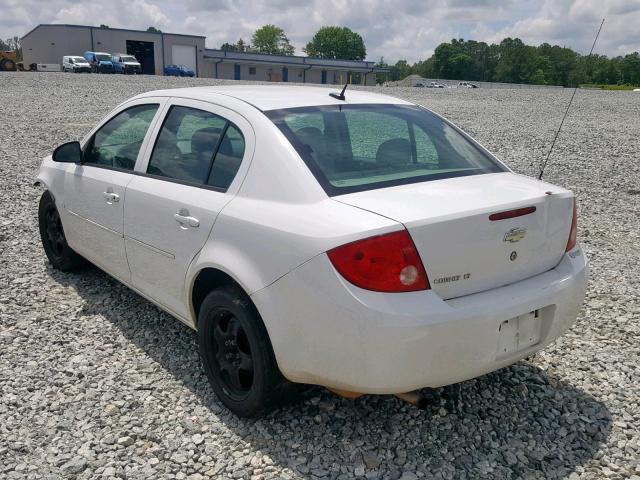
(385, 263)
(573, 233)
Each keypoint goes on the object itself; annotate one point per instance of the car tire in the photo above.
(237, 356)
(60, 254)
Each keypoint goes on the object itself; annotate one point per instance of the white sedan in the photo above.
(358, 242)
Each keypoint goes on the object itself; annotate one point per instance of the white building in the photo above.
(48, 43)
(287, 68)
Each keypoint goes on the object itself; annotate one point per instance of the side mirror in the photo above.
(68, 153)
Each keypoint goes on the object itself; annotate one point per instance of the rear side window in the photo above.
(197, 147)
(117, 143)
(353, 148)
(228, 158)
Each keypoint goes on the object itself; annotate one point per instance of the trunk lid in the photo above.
(462, 250)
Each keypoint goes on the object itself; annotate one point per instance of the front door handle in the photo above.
(111, 197)
(185, 220)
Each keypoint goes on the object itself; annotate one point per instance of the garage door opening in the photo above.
(145, 54)
(184, 55)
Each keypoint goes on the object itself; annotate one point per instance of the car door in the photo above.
(95, 189)
(192, 170)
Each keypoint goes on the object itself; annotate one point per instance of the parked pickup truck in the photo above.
(123, 63)
(100, 62)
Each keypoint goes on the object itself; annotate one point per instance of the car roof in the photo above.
(273, 97)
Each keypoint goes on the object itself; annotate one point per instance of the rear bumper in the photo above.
(326, 331)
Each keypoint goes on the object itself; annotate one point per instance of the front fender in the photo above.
(51, 177)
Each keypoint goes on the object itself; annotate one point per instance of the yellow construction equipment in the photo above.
(8, 61)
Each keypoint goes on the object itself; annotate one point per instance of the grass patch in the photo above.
(601, 86)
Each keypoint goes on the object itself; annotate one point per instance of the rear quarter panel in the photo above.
(257, 242)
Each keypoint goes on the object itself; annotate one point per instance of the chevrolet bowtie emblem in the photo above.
(515, 235)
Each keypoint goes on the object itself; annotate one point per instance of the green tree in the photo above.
(336, 42)
(271, 39)
(154, 30)
(514, 62)
(239, 46)
(441, 58)
(381, 77)
(517, 63)
(400, 70)
(424, 68)
(630, 68)
(537, 77)
(562, 65)
(461, 60)
(404, 69)
(12, 44)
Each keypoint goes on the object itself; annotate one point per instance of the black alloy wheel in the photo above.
(232, 354)
(53, 228)
(53, 239)
(237, 355)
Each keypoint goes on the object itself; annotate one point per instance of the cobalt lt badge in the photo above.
(513, 256)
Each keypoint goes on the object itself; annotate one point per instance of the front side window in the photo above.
(197, 147)
(118, 141)
(353, 148)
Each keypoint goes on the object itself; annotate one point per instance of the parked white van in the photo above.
(75, 64)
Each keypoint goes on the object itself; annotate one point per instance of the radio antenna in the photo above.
(544, 165)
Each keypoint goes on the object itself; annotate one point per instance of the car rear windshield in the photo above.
(351, 148)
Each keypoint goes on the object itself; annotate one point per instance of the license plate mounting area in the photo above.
(518, 333)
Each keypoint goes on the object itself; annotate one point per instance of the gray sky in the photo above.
(397, 29)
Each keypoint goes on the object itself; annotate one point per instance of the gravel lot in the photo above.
(95, 381)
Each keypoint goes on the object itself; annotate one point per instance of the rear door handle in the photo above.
(111, 197)
(185, 220)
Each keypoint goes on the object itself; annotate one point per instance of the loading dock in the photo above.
(144, 53)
